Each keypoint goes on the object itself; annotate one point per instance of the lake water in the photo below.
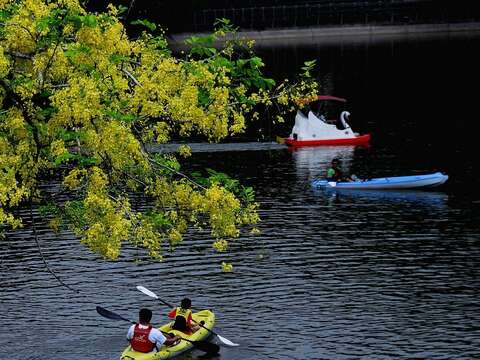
(371, 275)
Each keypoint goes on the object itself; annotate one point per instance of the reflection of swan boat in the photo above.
(314, 128)
(395, 182)
(313, 161)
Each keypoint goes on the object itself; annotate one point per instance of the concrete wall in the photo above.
(345, 34)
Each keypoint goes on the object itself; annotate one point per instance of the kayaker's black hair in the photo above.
(144, 316)
(336, 161)
(186, 303)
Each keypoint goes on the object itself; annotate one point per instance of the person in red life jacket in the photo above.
(145, 338)
(183, 317)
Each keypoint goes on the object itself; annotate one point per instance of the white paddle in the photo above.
(153, 295)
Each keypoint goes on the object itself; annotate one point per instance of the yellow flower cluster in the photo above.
(74, 87)
(4, 63)
(74, 179)
(227, 267)
(21, 33)
(57, 148)
(17, 164)
(185, 151)
(220, 245)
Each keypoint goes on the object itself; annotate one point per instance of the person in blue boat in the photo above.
(335, 173)
(143, 337)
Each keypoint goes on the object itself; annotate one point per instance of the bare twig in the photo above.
(132, 77)
(153, 161)
(43, 257)
(19, 54)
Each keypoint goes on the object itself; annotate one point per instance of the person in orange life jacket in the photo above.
(145, 338)
(183, 317)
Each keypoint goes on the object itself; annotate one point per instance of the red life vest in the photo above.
(140, 340)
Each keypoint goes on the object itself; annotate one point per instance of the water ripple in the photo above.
(330, 277)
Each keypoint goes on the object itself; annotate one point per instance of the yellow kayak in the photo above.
(167, 352)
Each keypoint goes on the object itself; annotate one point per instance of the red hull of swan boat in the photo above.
(358, 140)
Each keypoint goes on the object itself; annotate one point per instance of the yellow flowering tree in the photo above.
(82, 102)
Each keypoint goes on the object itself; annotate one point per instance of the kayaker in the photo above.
(334, 173)
(143, 337)
(183, 317)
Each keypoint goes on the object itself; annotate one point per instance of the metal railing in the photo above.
(338, 13)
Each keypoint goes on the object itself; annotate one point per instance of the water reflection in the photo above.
(410, 197)
(312, 162)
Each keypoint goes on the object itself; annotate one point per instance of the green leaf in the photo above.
(159, 220)
(122, 9)
(128, 118)
(199, 178)
(75, 213)
(256, 62)
(308, 65)
(151, 26)
(49, 209)
(203, 97)
(168, 164)
(222, 62)
(68, 135)
(241, 62)
(73, 51)
(117, 58)
(160, 43)
(206, 40)
(64, 158)
(47, 112)
(247, 194)
(86, 161)
(90, 20)
(223, 179)
(270, 82)
(224, 25)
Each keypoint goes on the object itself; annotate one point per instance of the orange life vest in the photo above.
(181, 320)
(179, 311)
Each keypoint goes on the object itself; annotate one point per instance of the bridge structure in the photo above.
(274, 14)
(198, 16)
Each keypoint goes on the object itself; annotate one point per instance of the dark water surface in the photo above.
(371, 275)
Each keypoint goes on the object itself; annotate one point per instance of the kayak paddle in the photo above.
(205, 346)
(153, 295)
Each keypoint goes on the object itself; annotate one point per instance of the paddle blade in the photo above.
(226, 341)
(147, 292)
(110, 315)
(208, 347)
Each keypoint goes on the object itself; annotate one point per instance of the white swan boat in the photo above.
(314, 129)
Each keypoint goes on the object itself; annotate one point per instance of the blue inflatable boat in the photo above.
(395, 182)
